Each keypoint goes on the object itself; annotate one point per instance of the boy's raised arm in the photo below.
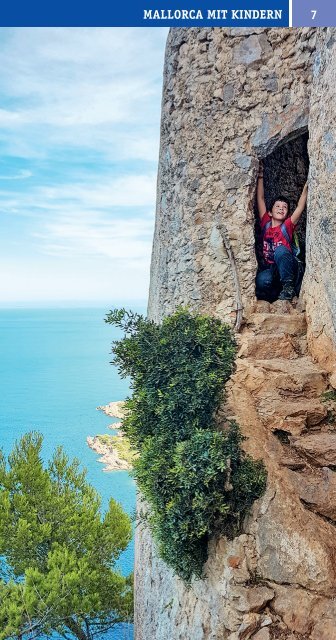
(260, 192)
(300, 205)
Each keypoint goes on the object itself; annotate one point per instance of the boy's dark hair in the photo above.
(282, 199)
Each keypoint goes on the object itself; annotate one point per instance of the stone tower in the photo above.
(232, 97)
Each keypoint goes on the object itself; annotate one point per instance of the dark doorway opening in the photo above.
(285, 173)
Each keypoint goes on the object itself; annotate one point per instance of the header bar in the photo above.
(177, 13)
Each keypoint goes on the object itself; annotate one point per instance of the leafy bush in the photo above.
(197, 480)
(329, 396)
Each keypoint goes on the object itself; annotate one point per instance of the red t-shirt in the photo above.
(273, 237)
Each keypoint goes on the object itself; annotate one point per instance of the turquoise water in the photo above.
(54, 372)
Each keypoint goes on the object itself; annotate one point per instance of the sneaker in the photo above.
(287, 293)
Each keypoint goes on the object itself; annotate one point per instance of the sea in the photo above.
(54, 371)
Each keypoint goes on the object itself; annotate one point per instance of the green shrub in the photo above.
(329, 396)
(197, 480)
(58, 573)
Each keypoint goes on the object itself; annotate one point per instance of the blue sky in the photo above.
(79, 136)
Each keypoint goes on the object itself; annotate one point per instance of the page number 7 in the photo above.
(313, 12)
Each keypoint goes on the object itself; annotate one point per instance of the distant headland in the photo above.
(115, 451)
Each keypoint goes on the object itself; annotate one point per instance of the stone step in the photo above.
(265, 345)
(279, 306)
(317, 490)
(319, 448)
(293, 324)
(291, 416)
(289, 378)
(293, 462)
(299, 377)
(302, 344)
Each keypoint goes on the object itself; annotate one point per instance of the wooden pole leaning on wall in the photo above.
(239, 303)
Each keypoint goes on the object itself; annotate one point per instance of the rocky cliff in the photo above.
(230, 98)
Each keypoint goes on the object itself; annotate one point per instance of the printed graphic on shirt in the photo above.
(273, 237)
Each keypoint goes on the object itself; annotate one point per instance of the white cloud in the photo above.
(79, 86)
(80, 118)
(21, 175)
(127, 240)
(125, 191)
(115, 221)
(134, 192)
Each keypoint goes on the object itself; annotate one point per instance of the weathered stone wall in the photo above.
(230, 97)
(320, 280)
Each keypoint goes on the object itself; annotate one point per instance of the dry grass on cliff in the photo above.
(122, 445)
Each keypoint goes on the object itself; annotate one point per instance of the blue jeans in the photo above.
(272, 279)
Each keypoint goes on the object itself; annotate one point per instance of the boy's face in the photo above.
(279, 210)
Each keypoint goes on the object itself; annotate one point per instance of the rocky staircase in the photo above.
(278, 397)
(288, 389)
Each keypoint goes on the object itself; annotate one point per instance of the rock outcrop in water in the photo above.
(115, 451)
(232, 97)
(109, 453)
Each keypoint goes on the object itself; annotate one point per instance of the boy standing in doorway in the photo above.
(276, 278)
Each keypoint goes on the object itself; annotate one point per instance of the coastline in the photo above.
(114, 451)
(109, 456)
(113, 409)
